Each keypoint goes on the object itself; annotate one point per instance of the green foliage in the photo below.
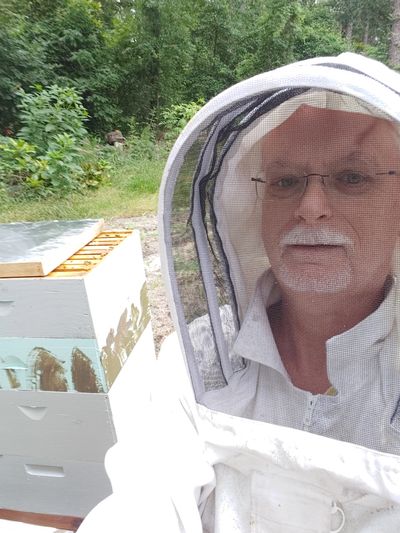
(22, 58)
(280, 27)
(320, 35)
(48, 113)
(52, 123)
(152, 55)
(24, 170)
(62, 170)
(77, 48)
(94, 173)
(377, 51)
(366, 24)
(216, 46)
(141, 144)
(48, 158)
(273, 38)
(96, 166)
(144, 67)
(18, 162)
(135, 58)
(175, 118)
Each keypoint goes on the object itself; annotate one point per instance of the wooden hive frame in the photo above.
(85, 259)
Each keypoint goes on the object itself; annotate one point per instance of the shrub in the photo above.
(62, 168)
(49, 112)
(49, 157)
(18, 161)
(142, 144)
(24, 170)
(94, 173)
(175, 118)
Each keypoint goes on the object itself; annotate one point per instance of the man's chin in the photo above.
(313, 282)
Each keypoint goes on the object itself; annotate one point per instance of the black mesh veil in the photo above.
(220, 294)
(209, 222)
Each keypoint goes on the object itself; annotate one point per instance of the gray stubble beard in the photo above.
(299, 283)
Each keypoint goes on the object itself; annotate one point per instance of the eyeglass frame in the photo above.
(322, 176)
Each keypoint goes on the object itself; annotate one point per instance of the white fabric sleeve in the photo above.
(158, 470)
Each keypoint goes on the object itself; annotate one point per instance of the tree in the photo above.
(22, 58)
(152, 52)
(131, 59)
(287, 31)
(213, 36)
(365, 24)
(77, 47)
(320, 34)
(394, 53)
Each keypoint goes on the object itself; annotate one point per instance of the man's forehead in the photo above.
(330, 128)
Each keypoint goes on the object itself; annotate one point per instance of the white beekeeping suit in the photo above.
(204, 451)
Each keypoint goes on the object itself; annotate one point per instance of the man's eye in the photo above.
(285, 182)
(351, 178)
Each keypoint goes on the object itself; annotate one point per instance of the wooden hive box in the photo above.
(69, 342)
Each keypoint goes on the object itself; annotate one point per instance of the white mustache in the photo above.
(315, 236)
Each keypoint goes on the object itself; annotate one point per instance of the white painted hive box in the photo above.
(70, 342)
(74, 329)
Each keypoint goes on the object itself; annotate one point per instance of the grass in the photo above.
(132, 191)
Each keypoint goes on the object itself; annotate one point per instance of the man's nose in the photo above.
(314, 204)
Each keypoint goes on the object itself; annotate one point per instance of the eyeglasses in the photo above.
(344, 183)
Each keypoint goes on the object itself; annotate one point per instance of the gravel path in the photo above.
(147, 225)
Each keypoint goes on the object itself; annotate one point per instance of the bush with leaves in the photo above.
(47, 158)
(18, 162)
(62, 164)
(49, 112)
(175, 118)
(96, 168)
(24, 170)
(142, 142)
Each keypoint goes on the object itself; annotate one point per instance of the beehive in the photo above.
(74, 328)
(70, 341)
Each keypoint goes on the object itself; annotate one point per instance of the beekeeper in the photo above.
(275, 406)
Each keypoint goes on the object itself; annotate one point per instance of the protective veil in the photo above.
(202, 456)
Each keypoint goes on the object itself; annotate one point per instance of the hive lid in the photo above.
(36, 248)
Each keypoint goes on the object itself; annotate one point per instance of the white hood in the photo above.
(211, 262)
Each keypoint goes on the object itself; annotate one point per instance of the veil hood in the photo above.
(209, 218)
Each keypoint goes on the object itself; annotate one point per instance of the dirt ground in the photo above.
(147, 225)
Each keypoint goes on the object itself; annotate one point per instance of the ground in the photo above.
(147, 225)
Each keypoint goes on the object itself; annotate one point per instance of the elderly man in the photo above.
(326, 353)
(318, 336)
(284, 294)
(331, 221)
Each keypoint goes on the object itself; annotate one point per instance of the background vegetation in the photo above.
(73, 70)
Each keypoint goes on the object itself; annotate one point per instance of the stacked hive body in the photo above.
(64, 338)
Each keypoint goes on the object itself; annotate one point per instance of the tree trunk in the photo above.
(349, 31)
(394, 51)
(366, 33)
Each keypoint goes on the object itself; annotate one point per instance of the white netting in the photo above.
(236, 204)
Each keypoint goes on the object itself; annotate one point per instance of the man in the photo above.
(325, 362)
(330, 235)
(284, 295)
